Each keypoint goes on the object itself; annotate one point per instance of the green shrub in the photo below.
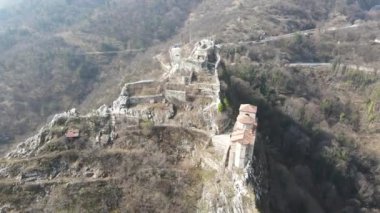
(221, 107)
(342, 117)
(224, 104)
(146, 127)
(371, 110)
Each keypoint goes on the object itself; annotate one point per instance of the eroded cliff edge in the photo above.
(153, 148)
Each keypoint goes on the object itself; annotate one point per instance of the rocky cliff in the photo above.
(150, 150)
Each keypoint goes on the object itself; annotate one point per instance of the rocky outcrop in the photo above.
(61, 117)
(144, 114)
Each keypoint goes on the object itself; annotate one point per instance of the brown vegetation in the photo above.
(310, 122)
(44, 66)
(140, 171)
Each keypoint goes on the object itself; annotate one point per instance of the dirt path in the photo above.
(113, 52)
(303, 32)
(56, 181)
(348, 66)
(68, 152)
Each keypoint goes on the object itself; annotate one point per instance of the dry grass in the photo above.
(137, 172)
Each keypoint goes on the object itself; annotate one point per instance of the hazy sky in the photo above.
(4, 3)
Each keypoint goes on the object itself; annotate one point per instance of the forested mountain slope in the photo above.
(44, 67)
(310, 66)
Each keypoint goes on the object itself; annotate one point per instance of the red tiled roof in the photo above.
(72, 133)
(246, 119)
(243, 136)
(248, 108)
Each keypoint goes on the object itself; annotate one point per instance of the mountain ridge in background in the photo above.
(311, 67)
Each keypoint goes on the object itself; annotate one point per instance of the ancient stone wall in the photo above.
(191, 65)
(205, 86)
(146, 99)
(140, 88)
(204, 89)
(176, 95)
(173, 86)
(198, 135)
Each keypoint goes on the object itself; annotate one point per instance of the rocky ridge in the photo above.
(184, 99)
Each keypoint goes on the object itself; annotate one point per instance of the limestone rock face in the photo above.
(124, 91)
(120, 103)
(115, 135)
(104, 139)
(27, 147)
(103, 111)
(5, 208)
(31, 145)
(4, 173)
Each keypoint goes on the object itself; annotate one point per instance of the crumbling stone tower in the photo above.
(243, 137)
(201, 52)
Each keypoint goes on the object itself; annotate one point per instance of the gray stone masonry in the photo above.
(176, 95)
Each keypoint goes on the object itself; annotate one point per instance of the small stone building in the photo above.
(243, 137)
(72, 134)
(202, 50)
